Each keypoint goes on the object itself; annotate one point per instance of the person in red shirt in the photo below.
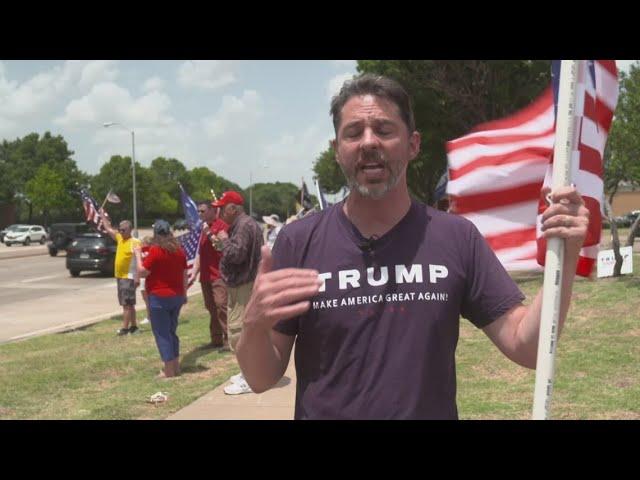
(207, 264)
(144, 248)
(165, 269)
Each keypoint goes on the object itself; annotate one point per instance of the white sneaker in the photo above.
(237, 378)
(146, 320)
(238, 388)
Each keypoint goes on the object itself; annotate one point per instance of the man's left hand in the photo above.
(566, 217)
(222, 235)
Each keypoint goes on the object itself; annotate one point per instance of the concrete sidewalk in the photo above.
(275, 404)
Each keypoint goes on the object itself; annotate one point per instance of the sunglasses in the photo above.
(202, 211)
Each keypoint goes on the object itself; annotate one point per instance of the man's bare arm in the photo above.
(106, 223)
(263, 353)
(516, 332)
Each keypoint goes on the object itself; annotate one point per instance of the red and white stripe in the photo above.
(90, 213)
(497, 171)
(595, 105)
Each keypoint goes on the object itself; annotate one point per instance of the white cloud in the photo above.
(108, 102)
(296, 151)
(169, 141)
(624, 64)
(98, 71)
(35, 97)
(206, 74)
(235, 114)
(334, 85)
(153, 83)
(344, 64)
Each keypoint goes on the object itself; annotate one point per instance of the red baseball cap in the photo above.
(227, 198)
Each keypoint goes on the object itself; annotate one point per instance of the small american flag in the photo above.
(112, 197)
(189, 241)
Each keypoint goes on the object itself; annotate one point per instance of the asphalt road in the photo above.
(37, 295)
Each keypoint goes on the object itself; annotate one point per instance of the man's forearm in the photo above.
(529, 329)
(259, 359)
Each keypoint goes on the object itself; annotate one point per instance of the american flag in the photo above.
(189, 241)
(91, 210)
(321, 200)
(497, 171)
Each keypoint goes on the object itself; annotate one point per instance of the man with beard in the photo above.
(371, 290)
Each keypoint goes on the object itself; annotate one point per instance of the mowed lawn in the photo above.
(93, 374)
(597, 369)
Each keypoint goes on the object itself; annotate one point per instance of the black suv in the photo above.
(62, 234)
(91, 251)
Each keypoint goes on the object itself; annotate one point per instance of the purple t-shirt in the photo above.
(379, 339)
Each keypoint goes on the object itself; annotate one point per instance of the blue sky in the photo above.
(267, 118)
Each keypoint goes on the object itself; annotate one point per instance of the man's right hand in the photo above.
(192, 278)
(281, 294)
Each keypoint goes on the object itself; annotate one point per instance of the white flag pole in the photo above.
(552, 288)
(319, 197)
(105, 199)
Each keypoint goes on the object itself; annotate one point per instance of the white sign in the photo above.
(607, 260)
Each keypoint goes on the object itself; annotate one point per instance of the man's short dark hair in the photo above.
(204, 202)
(378, 85)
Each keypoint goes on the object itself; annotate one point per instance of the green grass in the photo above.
(597, 373)
(93, 374)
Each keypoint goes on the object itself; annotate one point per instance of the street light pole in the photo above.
(133, 167)
(133, 170)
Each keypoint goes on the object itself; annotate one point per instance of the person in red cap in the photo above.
(207, 266)
(239, 267)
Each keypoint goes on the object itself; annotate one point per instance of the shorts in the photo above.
(126, 291)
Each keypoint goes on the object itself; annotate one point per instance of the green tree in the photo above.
(21, 159)
(202, 180)
(116, 175)
(162, 199)
(268, 198)
(622, 155)
(328, 172)
(47, 192)
(449, 98)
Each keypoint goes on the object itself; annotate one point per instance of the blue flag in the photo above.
(189, 241)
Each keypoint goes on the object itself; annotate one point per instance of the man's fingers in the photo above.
(563, 209)
(290, 273)
(569, 194)
(290, 311)
(289, 296)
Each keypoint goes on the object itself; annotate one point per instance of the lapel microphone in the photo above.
(368, 244)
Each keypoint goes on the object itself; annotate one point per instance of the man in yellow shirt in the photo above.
(125, 272)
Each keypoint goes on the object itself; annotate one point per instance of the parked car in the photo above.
(631, 216)
(4, 231)
(62, 234)
(91, 251)
(181, 224)
(25, 234)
